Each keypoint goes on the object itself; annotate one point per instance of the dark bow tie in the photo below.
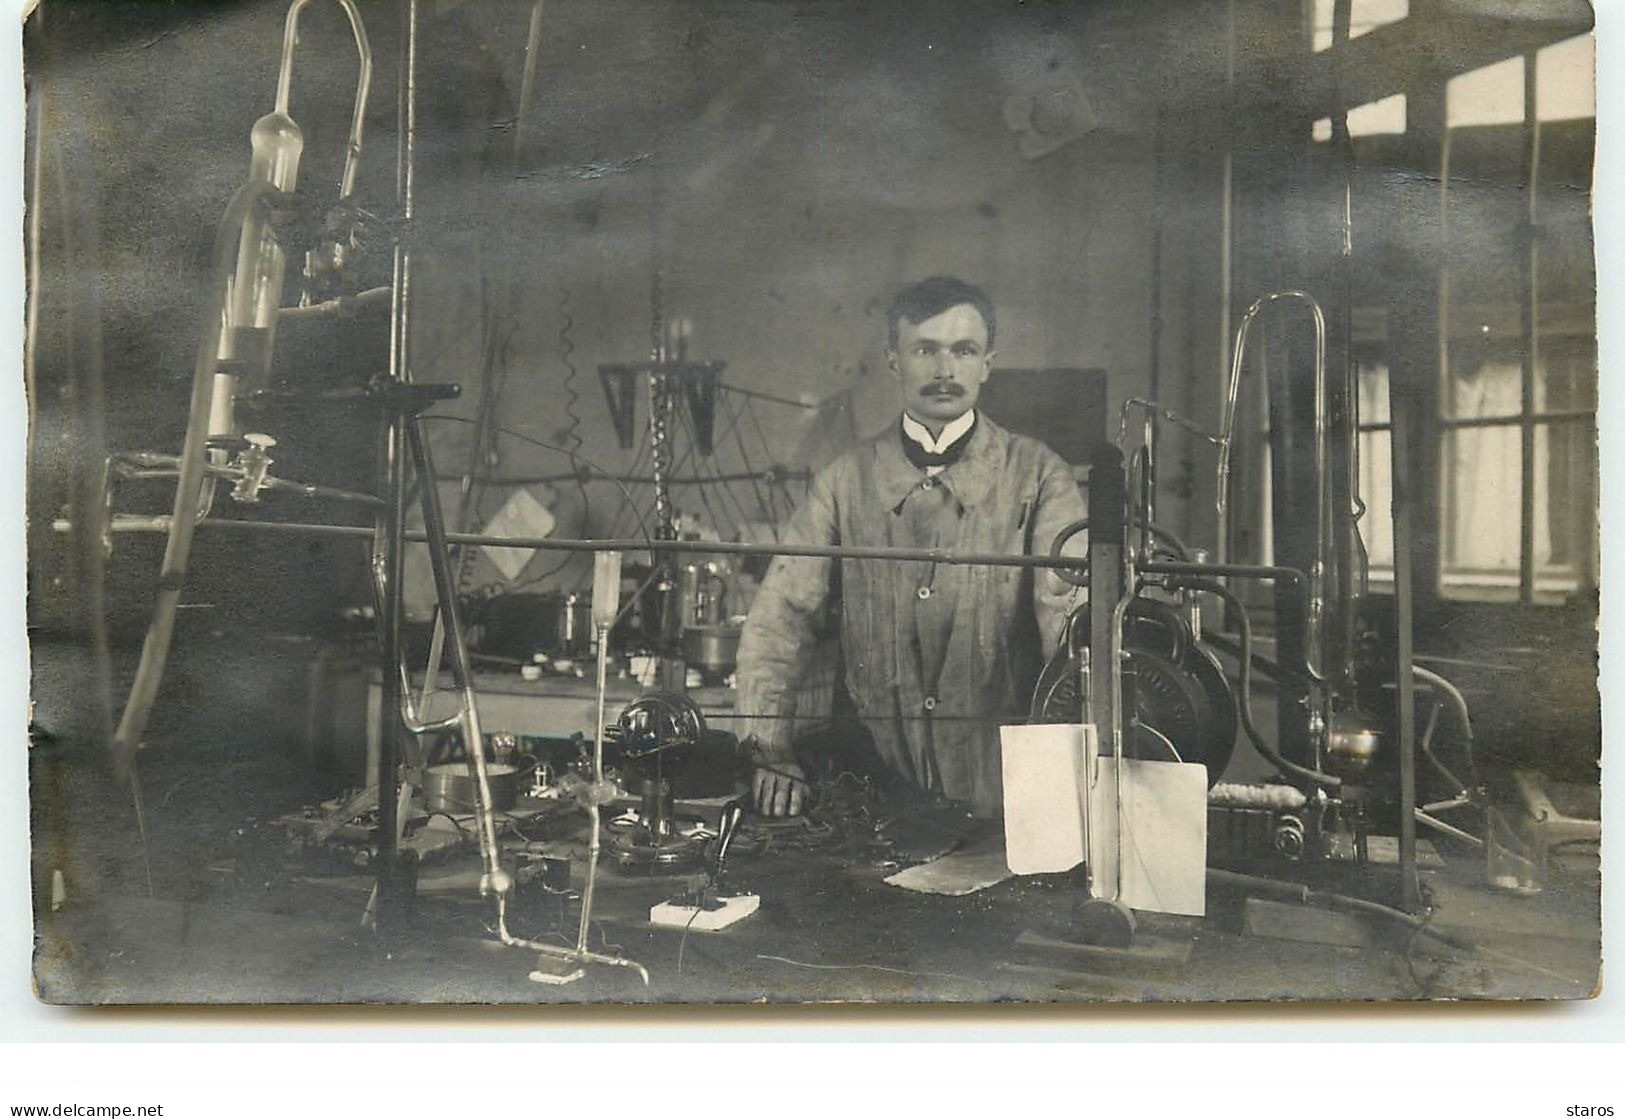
(949, 455)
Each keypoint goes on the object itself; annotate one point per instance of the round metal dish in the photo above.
(450, 788)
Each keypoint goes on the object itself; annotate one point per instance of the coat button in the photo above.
(930, 703)
(929, 483)
(924, 593)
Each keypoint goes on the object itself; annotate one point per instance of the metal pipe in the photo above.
(342, 305)
(593, 838)
(1114, 651)
(1227, 431)
(496, 879)
(1244, 657)
(1529, 307)
(188, 490)
(1459, 701)
(709, 547)
(389, 534)
(36, 182)
(358, 115)
(1403, 500)
(556, 951)
(389, 544)
(1164, 413)
(1424, 817)
(527, 83)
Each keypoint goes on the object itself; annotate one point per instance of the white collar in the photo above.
(921, 434)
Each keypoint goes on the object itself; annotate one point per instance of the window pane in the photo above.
(1566, 379)
(1482, 483)
(1565, 507)
(1379, 118)
(1374, 118)
(1490, 95)
(1372, 382)
(1377, 491)
(1480, 389)
(1364, 16)
(1564, 86)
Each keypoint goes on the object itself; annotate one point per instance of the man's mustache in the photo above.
(943, 388)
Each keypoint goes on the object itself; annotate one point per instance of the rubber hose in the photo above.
(1269, 753)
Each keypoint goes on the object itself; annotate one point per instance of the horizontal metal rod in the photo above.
(1534, 419)
(768, 476)
(701, 547)
(344, 304)
(1289, 575)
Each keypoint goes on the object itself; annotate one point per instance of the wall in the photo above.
(833, 154)
(783, 167)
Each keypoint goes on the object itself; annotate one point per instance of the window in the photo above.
(1365, 16)
(1517, 500)
(1376, 118)
(1376, 475)
(1508, 533)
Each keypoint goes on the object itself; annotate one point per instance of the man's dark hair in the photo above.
(930, 298)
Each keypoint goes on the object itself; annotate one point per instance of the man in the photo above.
(935, 656)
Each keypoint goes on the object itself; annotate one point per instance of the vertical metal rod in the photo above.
(1444, 495)
(1226, 220)
(1088, 762)
(1226, 263)
(1529, 305)
(1108, 497)
(527, 84)
(462, 671)
(390, 545)
(1158, 218)
(391, 531)
(593, 839)
(408, 176)
(36, 197)
(1400, 392)
(1115, 654)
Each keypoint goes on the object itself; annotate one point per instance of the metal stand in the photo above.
(1102, 918)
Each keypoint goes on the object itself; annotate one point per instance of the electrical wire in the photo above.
(870, 967)
(765, 506)
(571, 438)
(1303, 895)
(683, 943)
(723, 489)
(567, 348)
(728, 491)
(630, 507)
(1244, 621)
(575, 457)
(482, 447)
(1459, 702)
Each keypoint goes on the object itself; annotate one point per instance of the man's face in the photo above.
(941, 364)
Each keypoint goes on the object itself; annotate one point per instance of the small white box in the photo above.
(705, 920)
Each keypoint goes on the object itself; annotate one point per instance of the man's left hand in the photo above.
(779, 790)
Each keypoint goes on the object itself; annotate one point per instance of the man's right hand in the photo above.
(779, 790)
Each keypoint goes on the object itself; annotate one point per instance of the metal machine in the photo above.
(1139, 659)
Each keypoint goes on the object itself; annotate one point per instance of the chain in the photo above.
(660, 397)
(660, 406)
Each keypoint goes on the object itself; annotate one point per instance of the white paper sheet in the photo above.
(1043, 819)
(955, 875)
(1164, 820)
(520, 515)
